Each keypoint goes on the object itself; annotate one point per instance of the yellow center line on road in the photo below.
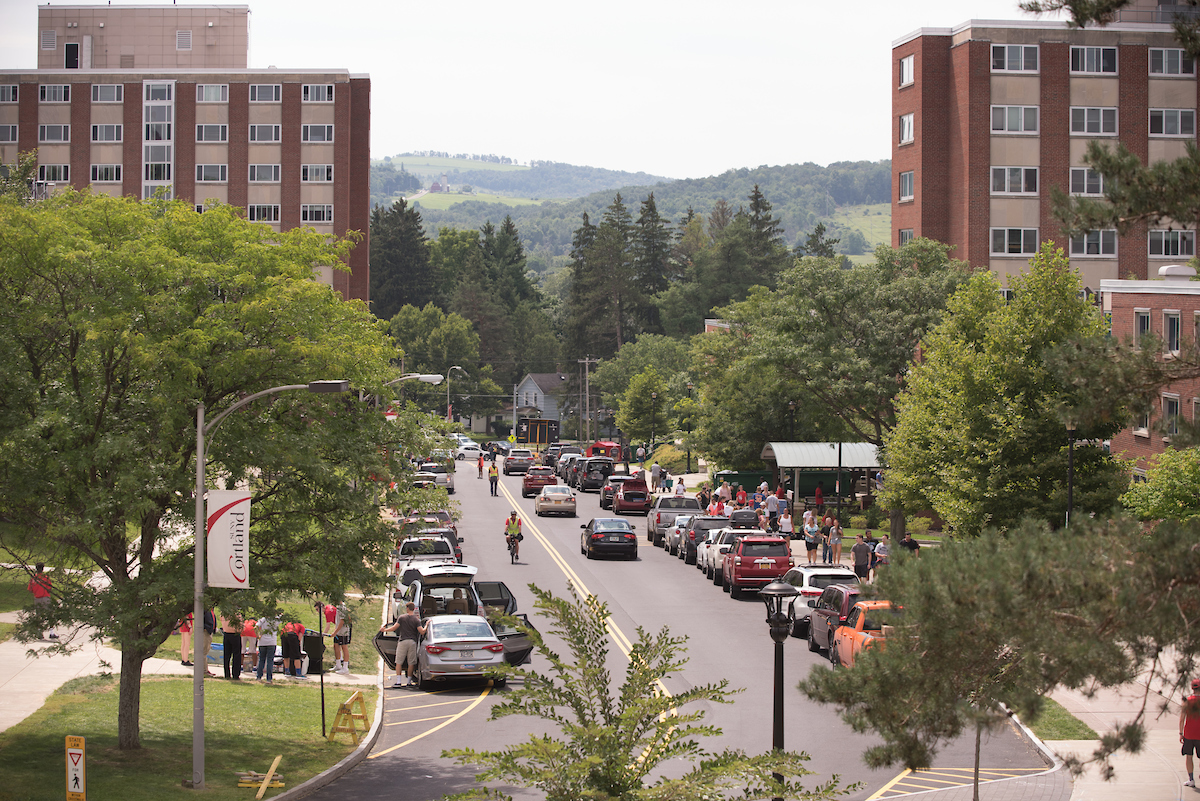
(438, 727)
(418, 720)
(426, 706)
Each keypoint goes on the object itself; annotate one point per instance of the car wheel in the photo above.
(724, 584)
(588, 553)
(690, 559)
(734, 590)
(709, 572)
(799, 628)
(633, 556)
(673, 549)
(812, 643)
(649, 534)
(834, 659)
(422, 682)
(581, 548)
(500, 682)
(574, 514)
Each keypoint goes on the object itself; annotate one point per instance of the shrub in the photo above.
(919, 525)
(876, 514)
(670, 457)
(859, 521)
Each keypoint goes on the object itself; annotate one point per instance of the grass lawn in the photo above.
(13, 592)
(248, 725)
(1056, 723)
(6, 631)
(441, 202)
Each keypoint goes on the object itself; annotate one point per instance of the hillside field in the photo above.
(875, 221)
(442, 201)
(428, 165)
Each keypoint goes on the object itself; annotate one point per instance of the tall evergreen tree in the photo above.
(400, 270)
(651, 261)
(720, 216)
(584, 291)
(613, 256)
(768, 253)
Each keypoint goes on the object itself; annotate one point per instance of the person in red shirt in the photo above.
(40, 586)
(741, 496)
(819, 496)
(1189, 730)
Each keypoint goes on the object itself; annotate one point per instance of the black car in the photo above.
(604, 536)
(609, 489)
(592, 473)
(697, 530)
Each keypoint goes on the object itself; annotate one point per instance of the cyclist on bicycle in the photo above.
(512, 533)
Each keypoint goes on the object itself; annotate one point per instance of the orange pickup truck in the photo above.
(868, 623)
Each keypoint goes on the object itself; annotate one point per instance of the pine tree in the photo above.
(400, 270)
(651, 261)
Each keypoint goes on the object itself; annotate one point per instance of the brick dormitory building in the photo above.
(142, 100)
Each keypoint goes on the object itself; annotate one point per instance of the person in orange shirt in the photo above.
(40, 585)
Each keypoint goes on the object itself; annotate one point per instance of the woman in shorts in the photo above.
(812, 539)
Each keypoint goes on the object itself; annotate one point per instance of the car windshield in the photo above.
(678, 503)
(765, 549)
(543, 472)
(556, 491)
(612, 525)
(433, 467)
(461, 630)
(681, 521)
(706, 525)
(821, 581)
(413, 547)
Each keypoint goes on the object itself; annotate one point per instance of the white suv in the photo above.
(812, 580)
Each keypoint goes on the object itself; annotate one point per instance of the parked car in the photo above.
(696, 533)
(662, 513)
(632, 496)
(550, 455)
(812, 580)
(453, 647)
(675, 533)
(468, 451)
(562, 451)
(754, 561)
(442, 475)
(535, 478)
(564, 461)
(424, 548)
(609, 489)
(868, 624)
(557, 500)
(423, 479)
(498, 447)
(706, 547)
(518, 460)
(425, 530)
(743, 518)
(593, 472)
(604, 536)
(828, 612)
(714, 562)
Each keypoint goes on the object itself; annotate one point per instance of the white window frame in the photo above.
(316, 173)
(263, 212)
(309, 93)
(1184, 66)
(1028, 246)
(1004, 55)
(159, 92)
(152, 190)
(11, 132)
(265, 92)
(908, 180)
(1170, 244)
(1099, 244)
(157, 171)
(256, 170)
(115, 130)
(1182, 116)
(1170, 420)
(54, 93)
(203, 90)
(1082, 119)
(1141, 326)
(1021, 174)
(908, 73)
(62, 172)
(309, 211)
(64, 130)
(907, 128)
(306, 132)
(114, 168)
(1084, 174)
(222, 173)
(273, 133)
(1172, 340)
(1089, 60)
(1141, 426)
(115, 92)
(1023, 112)
(906, 236)
(9, 93)
(221, 132)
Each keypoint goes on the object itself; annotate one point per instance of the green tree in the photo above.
(400, 272)
(819, 245)
(642, 416)
(585, 292)
(612, 376)
(119, 318)
(768, 252)
(651, 260)
(608, 744)
(15, 181)
(980, 431)
(1171, 490)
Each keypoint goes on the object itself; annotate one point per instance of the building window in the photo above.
(264, 93)
(1086, 181)
(907, 75)
(906, 128)
(1172, 243)
(157, 192)
(1014, 241)
(106, 173)
(263, 213)
(107, 133)
(108, 93)
(54, 172)
(316, 212)
(8, 93)
(316, 173)
(1141, 426)
(1015, 180)
(1172, 122)
(1093, 121)
(54, 133)
(1014, 58)
(906, 186)
(1015, 119)
(159, 91)
(8, 133)
(316, 133)
(1171, 331)
(1141, 326)
(1094, 60)
(158, 123)
(212, 93)
(264, 133)
(1095, 243)
(54, 93)
(158, 171)
(316, 93)
(211, 173)
(264, 173)
(212, 133)
(906, 236)
(183, 40)
(1170, 413)
(1171, 61)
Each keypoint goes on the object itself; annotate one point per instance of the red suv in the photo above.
(755, 561)
(632, 496)
(828, 612)
(536, 478)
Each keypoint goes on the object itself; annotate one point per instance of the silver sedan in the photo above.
(555, 500)
(459, 647)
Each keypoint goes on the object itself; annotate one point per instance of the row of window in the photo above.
(1172, 328)
(205, 173)
(1094, 121)
(1164, 61)
(1019, 181)
(162, 131)
(309, 212)
(1024, 242)
(205, 93)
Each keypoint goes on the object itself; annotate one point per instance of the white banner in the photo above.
(228, 539)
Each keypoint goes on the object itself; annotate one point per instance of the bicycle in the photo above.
(514, 547)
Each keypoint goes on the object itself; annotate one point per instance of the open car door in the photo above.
(498, 600)
(385, 644)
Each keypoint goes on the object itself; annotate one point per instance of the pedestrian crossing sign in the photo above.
(76, 774)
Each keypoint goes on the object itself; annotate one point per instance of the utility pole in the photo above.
(587, 363)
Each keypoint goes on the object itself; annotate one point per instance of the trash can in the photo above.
(314, 647)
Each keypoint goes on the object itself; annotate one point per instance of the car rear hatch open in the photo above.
(498, 602)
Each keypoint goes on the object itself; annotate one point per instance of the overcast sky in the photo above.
(678, 89)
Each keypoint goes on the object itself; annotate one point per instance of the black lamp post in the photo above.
(653, 414)
(689, 443)
(775, 595)
(1070, 469)
(792, 418)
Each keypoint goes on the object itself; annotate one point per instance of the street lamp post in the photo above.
(653, 414)
(1070, 469)
(448, 372)
(198, 659)
(792, 419)
(689, 442)
(774, 595)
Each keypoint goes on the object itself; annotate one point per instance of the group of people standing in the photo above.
(826, 535)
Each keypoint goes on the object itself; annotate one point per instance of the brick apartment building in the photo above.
(1170, 309)
(139, 100)
(988, 116)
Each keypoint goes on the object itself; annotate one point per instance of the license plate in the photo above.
(470, 667)
(466, 654)
(614, 539)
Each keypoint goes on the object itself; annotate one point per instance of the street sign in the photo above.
(537, 432)
(76, 773)
(512, 438)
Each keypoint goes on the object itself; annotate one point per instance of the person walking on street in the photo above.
(641, 456)
(231, 646)
(812, 538)
(772, 506)
(655, 476)
(835, 542)
(408, 627)
(493, 478)
(480, 466)
(861, 552)
(883, 550)
(40, 585)
(1189, 730)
